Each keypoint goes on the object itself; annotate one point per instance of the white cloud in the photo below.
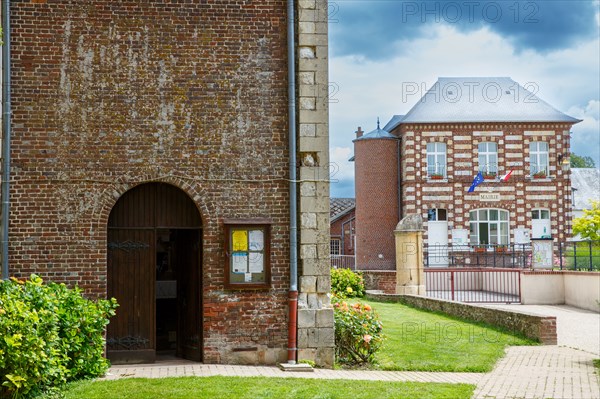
(585, 140)
(567, 79)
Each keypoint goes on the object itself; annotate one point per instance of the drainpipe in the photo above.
(293, 294)
(6, 111)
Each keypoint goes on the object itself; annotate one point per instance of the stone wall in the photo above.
(315, 313)
(540, 328)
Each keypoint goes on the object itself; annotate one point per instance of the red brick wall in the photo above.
(381, 280)
(376, 182)
(520, 195)
(110, 94)
(346, 236)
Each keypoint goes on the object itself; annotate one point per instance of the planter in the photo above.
(540, 176)
(436, 177)
(489, 177)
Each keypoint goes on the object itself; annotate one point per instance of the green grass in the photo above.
(261, 387)
(583, 256)
(597, 363)
(417, 340)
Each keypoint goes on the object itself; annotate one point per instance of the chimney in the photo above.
(359, 132)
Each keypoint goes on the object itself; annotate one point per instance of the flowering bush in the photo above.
(358, 333)
(347, 284)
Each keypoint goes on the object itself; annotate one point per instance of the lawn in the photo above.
(582, 255)
(260, 387)
(417, 340)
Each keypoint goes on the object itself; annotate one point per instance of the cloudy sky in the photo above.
(377, 48)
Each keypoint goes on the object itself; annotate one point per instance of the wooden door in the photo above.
(188, 252)
(131, 273)
(132, 268)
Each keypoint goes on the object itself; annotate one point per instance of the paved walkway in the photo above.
(184, 368)
(576, 328)
(526, 372)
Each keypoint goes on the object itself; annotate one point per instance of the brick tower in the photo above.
(376, 171)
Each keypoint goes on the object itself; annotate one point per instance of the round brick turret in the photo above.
(376, 186)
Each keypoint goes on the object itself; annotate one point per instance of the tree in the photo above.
(588, 226)
(581, 162)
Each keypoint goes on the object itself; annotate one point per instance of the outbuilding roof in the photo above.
(378, 133)
(480, 99)
(339, 207)
(586, 182)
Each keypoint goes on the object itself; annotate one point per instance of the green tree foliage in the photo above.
(49, 334)
(581, 162)
(588, 226)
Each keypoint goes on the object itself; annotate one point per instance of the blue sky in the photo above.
(379, 47)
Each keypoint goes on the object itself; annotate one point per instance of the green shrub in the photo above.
(358, 333)
(347, 284)
(49, 334)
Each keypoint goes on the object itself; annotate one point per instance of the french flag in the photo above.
(506, 176)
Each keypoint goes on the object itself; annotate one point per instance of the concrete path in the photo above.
(575, 328)
(526, 372)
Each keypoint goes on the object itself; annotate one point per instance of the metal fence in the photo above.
(483, 255)
(483, 285)
(578, 255)
(343, 262)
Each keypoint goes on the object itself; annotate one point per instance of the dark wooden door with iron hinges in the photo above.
(154, 271)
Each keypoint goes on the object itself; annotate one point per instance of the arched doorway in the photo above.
(155, 270)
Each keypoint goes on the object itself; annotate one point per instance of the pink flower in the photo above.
(367, 338)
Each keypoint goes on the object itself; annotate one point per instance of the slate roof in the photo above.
(587, 183)
(480, 99)
(395, 121)
(338, 207)
(376, 134)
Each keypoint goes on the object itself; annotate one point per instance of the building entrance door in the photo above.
(154, 271)
(437, 238)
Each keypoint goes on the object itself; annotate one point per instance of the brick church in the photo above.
(426, 161)
(150, 161)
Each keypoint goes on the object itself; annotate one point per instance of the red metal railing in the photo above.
(484, 285)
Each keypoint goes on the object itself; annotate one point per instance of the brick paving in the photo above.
(184, 368)
(540, 372)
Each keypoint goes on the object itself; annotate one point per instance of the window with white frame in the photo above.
(335, 247)
(489, 226)
(538, 158)
(436, 159)
(488, 158)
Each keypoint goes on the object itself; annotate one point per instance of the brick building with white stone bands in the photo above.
(443, 135)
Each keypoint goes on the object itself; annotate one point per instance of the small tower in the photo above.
(376, 156)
